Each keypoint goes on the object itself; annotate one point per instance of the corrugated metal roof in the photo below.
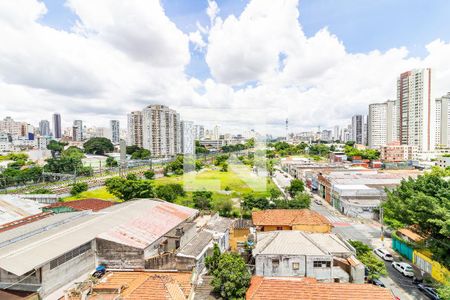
(135, 223)
(13, 207)
(285, 242)
(196, 246)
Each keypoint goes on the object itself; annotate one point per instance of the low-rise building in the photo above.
(138, 285)
(395, 152)
(295, 253)
(13, 208)
(239, 234)
(290, 219)
(443, 161)
(49, 253)
(292, 288)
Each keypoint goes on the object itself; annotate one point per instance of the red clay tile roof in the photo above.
(293, 288)
(288, 217)
(24, 221)
(84, 204)
(144, 285)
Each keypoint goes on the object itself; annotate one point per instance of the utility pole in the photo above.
(382, 225)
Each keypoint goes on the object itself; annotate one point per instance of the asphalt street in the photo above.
(366, 231)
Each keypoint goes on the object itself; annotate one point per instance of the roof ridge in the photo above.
(271, 238)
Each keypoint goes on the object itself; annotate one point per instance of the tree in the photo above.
(98, 145)
(212, 262)
(131, 149)
(141, 154)
(225, 208)
(126, 189)
(296, 186)
(231, 277)
(55, 147)
(300, 201)
(364, 253)
(274, 193)
(149, 174)
(165, 192)
(73, 152)
(78, 188)
(202, 199)
(250, 202)
(200, 149)
(111, 162)
(224, 167)
(423, 203)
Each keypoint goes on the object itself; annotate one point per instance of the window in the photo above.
(275, 264)
(322, 264)
(295, 266)
(279, 228)
(69, 255)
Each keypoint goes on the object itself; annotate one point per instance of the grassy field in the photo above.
(100, 193)
(224, 185)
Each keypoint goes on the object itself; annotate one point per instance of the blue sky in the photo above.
(362, 25)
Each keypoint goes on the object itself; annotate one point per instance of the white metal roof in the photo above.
(13, 207)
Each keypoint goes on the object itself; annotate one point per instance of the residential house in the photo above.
(293, 288)
(139, 285)
(290, 219)
(323, 256)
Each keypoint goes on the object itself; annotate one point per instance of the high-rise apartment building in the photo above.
(442, 136)
(134, 132)
(336, 133)
(115, 131)
(199, 131)
(44, 128)
(358, 129)
(416, 109)
(56, 126)
(381, 124)
(161, 130)
(187, 138)
(77, 130)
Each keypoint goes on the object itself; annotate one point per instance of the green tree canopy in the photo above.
(231, 277)
(98, 145)
(202, 199)
(126, 189)
(423, 203)
(296, 186)
(78, 188)
(149, 174)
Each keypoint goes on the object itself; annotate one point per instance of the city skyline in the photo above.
(298, 68)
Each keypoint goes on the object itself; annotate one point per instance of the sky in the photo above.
(237, 64)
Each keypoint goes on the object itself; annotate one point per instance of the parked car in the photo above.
(384, 254)
(318, 202)
(428, 291)
(376, 282)
(403, 268)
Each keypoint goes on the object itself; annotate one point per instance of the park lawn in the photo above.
(100, 193)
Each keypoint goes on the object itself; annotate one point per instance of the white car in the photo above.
(384, 254)
(403, 268)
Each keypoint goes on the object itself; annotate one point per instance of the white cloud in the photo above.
(122, 55)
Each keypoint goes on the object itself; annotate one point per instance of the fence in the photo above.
(403, 249)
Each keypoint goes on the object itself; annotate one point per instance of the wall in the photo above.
(52, 279)
(27, 282)
(238, 236)
(323, 228)
(264, 267)
(438, 272)
(117, 256)
(273, 227)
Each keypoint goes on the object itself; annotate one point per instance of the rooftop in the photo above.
(292, 288)
(196, 246)
(144, 285)
(136, 223)
(84, 204)
(287, 242)
(13, 207)
(411, 234)
(288, 217)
